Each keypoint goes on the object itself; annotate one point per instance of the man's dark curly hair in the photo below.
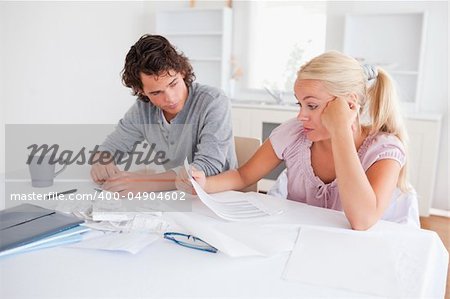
(154, 55)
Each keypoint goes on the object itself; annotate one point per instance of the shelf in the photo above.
(204, 37)
(393, 40)
(193, 20)
(186, 33)
(205, 59)
(203, 47)
(390, 38)
(402, 72)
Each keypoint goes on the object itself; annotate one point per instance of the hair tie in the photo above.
(370, 71)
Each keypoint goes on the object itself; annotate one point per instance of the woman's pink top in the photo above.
(291, 145)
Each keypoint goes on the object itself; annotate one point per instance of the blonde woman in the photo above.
(333, 159)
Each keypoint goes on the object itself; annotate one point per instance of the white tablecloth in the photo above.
(165, 269)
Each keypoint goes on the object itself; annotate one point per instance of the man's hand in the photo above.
(101, 171)
(125, 182)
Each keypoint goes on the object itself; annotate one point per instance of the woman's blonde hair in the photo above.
(343, 75)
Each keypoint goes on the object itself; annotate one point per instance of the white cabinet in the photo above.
(394, 42)
(250, 120)
(424, 135)
(204, 36)
(423, 148)
(258, 121)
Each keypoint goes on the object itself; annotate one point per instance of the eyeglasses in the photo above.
(189, 241)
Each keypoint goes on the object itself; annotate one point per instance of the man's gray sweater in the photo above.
(201, 131)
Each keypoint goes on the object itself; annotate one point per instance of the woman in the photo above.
(334, 159)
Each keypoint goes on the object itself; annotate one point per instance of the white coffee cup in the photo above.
(42, 170)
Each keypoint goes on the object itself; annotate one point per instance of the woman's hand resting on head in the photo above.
(340, 115)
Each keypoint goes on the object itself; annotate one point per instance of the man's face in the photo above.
(167, 91)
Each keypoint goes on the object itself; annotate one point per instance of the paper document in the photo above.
(240, 208)
(140, 223)
(370, 262)
(129, 242)
(121, 210)
(238, 239)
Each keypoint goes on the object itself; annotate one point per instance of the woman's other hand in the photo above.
(183, 182)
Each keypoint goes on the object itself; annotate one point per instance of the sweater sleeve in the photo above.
(215, 136)
(127, 132)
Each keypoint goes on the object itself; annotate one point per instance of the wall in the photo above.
(63, 60)
(2, 98)
(60, 62)
(434, 95)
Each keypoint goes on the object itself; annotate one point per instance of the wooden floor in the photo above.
(441, 225)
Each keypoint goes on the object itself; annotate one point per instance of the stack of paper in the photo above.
(234, 209)
(120, 210)
(143, 223)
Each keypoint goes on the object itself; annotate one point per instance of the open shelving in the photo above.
(204, 36)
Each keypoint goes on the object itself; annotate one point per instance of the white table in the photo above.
(165, 269)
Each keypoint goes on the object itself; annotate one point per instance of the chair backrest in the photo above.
(404, 207)
(245, 148)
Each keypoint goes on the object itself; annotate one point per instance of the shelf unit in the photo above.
(204, 36)
(394, 42)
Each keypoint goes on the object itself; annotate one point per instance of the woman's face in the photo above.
(312, 98)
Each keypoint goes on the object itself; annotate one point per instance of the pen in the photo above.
(60, 193)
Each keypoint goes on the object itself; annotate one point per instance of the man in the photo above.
(181, 118)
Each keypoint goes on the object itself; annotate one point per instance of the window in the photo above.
(282, 36)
